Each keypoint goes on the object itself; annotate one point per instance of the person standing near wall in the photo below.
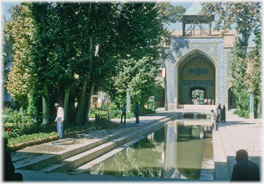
(218, 110)
(214, 117)
(59, 119)
(136, 112)
(123, 109)
(223, 114)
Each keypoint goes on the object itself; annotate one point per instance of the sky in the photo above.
(175, 26)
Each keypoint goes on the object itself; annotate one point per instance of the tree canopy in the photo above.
(62, 51)
(246, 16)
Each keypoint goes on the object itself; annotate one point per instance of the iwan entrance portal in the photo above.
(196, 72)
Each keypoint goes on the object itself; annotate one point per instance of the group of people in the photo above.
(60, 117)
(136, 112)
(243, 170)
(218, 117)
(221, 114)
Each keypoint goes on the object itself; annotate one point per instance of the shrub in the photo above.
(104, 107)
(236, 111)
(103, 122)
(114, 113)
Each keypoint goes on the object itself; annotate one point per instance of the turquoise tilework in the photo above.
(180, 46)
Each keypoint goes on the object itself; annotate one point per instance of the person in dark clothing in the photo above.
(245, 170)
(218, 111)
(9, 169)
(136, 112)
(123, 109)
(223, 115)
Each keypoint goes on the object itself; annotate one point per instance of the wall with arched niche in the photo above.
(195, 71)
(182, 47)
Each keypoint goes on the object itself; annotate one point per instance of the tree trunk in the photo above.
(88, 102)
(45, 104)
(71, 105)
(45, 96)
(81, 103)
(66, 102)
(67, 90)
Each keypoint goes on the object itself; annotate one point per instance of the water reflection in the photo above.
(175, 151)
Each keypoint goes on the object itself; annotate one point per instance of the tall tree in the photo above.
(137, 75)
(175, 12)
(23, 82)
(126, 30)
(246, 17)
(255, 76)
(71, 47)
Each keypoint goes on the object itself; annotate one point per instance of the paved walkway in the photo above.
(236, 133)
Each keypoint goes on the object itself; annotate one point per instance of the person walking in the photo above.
(123, 109)
(59, 119)
(136, 112)
(245, 170)
(223, 114)
(214, 117)
(218, 110)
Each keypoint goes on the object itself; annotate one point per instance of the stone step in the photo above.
(37, 162)
(50, 167)
(85, 167)
(84, 157)
(46, 160)
(191, 106)
(222, 172)
(229, 150)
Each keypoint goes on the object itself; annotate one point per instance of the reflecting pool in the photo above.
(175, 151)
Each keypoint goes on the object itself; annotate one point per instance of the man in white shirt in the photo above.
(59, 119)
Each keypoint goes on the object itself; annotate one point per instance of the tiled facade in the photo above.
(213, 48)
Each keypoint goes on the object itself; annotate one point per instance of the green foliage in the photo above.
(246, 16)
(104, 107)
(61, 46)
(236, 111)
(26, 138)
(104, 122)
(175, 13)
(143, 111)
(136, 75)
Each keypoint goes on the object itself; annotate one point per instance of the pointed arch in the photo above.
(193, 51)
(184, 84)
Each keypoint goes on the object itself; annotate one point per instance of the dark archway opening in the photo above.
(197, 95)
(231, 99)
(195, 71)
(160, 99)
